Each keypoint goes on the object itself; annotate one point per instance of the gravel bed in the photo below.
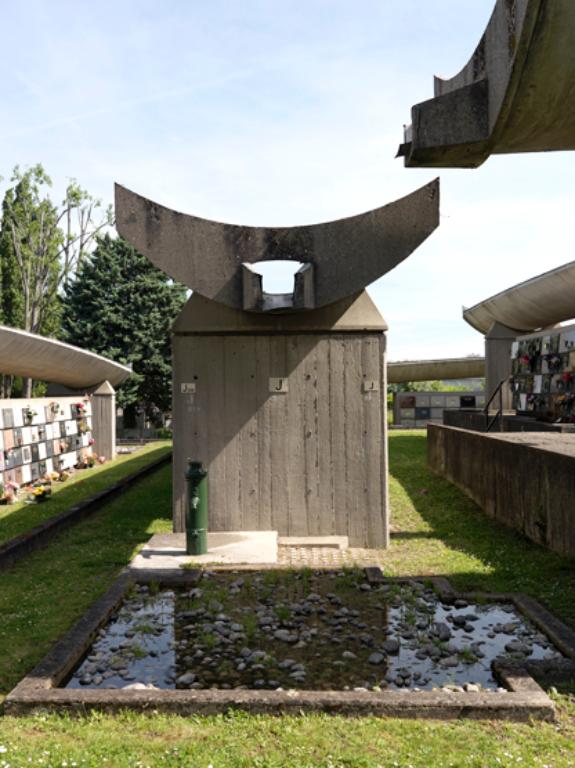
(306, 629)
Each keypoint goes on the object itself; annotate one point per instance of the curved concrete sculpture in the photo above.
(537, 303)
(433, 370)
(339, 257)
(516, 93)
(44, 359)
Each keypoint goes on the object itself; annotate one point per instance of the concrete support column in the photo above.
(288, 413)
(104, 420)
(385, 447)
(498, 342)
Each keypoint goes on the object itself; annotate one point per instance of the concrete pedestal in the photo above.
(167, 551)
(288, 415)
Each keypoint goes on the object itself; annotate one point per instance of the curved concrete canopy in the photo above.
(516, 93)
(340, 257)
(537, 303)
(44, 359)
(433, 370)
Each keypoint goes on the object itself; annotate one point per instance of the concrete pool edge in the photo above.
(525, 699)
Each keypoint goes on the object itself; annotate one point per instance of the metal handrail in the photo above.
(499, 413)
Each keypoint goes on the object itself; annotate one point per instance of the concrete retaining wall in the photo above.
(475, 420)
(517, 483)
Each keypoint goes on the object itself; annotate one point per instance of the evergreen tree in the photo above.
(122, 307)
(11, 309)
(11, 305)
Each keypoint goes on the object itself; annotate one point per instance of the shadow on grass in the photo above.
(476, 552)
(22, 517)
(407, 535)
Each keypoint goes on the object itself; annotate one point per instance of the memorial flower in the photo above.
(40, 493)
(29, 414)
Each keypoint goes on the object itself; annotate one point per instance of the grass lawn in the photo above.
(437, 531)
(18, 518)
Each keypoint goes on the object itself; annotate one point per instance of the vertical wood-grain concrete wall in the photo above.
(309, 461)
(104, 420)
(524, 486)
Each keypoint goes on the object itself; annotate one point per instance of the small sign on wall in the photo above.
(370, 385)
(278, 386)
(188, 388)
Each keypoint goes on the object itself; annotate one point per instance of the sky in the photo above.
(282, 113)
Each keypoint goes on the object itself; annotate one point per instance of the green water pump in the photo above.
(197, 509)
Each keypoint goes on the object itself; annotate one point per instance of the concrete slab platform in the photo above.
(330, 542)
(168, 550)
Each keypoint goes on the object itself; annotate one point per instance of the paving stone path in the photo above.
(327, 557)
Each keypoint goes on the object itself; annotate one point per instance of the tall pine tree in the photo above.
(122, 307)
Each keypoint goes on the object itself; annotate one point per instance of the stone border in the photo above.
(524, 701)
(40, 535)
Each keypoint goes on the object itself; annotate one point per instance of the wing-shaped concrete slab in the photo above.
(44, 359)
(537, 303)
(516, 93)
(345, 255)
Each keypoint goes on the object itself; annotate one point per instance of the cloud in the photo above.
(281, 114)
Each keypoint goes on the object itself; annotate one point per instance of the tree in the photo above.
(10, 294)
(41, 245)
(122, 307)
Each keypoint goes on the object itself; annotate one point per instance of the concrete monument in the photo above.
(516, 93)
(282, 397)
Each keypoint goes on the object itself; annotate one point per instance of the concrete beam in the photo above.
(433, 370)
(516, 93)
(346, 255)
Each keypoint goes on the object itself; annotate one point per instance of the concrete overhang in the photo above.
(44, 359)
(354, 314)
(434, 370)
(339, 258)
(540, 302)
(516, 93)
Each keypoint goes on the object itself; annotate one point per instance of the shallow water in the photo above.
(319, 632)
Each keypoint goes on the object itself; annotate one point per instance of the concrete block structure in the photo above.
(291, 422)
(282, 396)
(514, 95)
